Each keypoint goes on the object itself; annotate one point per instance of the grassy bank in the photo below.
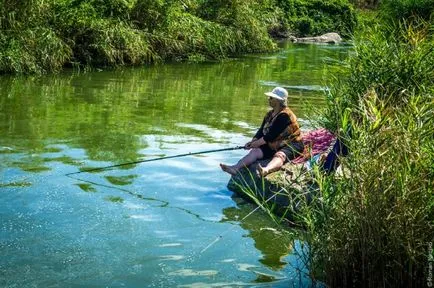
(40, 36)
(372, 227)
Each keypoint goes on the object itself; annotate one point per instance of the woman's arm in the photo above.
(259, 133)
(255, 143)
(257, 136)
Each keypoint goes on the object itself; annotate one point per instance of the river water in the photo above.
(169, 223)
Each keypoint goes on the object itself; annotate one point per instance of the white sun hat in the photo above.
(278, 93)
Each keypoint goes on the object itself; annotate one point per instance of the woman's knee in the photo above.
(257, 152)
(280, 155)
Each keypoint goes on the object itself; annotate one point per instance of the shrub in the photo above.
(27, 44)
(100, 41)
(307, 18)
(226, 32)
(393, 10)
(149, 15)
(133, 32)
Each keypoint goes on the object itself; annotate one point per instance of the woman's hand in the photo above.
(255, 143)
(248, 145)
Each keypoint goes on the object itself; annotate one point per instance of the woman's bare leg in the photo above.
(275, 164)
(251, 157)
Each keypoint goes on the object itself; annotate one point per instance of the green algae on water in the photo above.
(16, 184)
(121, 180)
(86, 187)
(114, 199)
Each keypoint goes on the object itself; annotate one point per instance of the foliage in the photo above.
(407, 9)
(372, 225)
(99, 40)
(60, 33)
(149, 15)
(26, 43)
(33, 50)
(318, 17)
(186, 36)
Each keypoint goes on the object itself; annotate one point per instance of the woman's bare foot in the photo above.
(229, 169)
(262, 171)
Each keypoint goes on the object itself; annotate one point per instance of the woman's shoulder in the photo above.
(285, 113)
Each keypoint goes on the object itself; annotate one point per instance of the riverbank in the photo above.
(374, 227)
(46, 36)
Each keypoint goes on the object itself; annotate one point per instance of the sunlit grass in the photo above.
(371, 224)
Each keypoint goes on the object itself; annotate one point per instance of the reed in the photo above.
(371, 223)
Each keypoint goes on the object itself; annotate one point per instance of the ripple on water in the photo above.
(172, 257)
(170, 245)
(134, 206)
(218, 284)
(146, 218)
(165, 234)
(187, 199)
(191, 272)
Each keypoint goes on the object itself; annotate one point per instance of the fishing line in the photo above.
(164, 204)
(15, 182)
(140, 196)
(219, 237)
(155, 159)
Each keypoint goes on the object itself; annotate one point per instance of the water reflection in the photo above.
(105, 112)
(137, 225)
(273, 242)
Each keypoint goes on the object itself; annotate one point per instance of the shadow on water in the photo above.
(273, 251)
(281, 248)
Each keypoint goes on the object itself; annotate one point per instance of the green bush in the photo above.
(115, 9)
(132, 32)
(27, 43)
(194, 37)
(244, 18)
(149, 15)
(392, 10)
(311, 18)
(100, 41)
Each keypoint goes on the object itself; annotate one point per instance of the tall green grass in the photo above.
(27, 43)
(371, 225)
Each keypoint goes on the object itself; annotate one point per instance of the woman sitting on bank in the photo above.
(279, 137)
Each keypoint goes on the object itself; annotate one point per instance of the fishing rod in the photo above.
(155, 159)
